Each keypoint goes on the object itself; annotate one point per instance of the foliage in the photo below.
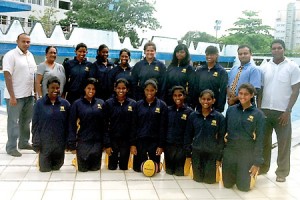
(197, 36)
(122, 16)
(250, 31)
(47, 19)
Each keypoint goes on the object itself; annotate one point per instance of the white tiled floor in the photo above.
(20, 179)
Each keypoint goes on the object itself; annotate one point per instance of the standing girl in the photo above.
(148, 68)
(77, 71)
(120, 112)
(178, 115)
(205, 136)
(151, 127)
(49, 127)
(99, 70)
(122, 70)
(245, 133)
(179, 72)
(87, 127)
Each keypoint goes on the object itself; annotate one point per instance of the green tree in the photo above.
(122, 16)
(250, 30)
(197, 36)
(47, 19)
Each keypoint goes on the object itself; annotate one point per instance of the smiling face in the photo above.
(150, 52)
(206, 101)
(150, 93)
(178, 98)
(81, 53)
(53, 90)
(103, 53)
(180, 55)
(244, 55)
(245, 97)
(124, 58)
(51, 55)
(90, 91)
(211, 58)
(121, 90)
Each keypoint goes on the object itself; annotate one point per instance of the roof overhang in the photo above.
(13, 6)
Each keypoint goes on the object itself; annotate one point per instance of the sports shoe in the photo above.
(280, 179)
(26, 146)
(14, 153)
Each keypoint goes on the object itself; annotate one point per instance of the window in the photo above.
(21, 20)
(64, 5)
(38, 2)
(30, 23)
(3, 19)
(51, 3)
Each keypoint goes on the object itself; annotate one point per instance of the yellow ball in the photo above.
(149, 168)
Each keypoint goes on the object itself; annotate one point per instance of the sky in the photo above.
(177, 17)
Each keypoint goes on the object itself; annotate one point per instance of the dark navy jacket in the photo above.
(142, 71)
(76, 75)
(118, 72)
(100, 72)
(120, 119)
(50, 123)
(206, 134)
(151, 121)
(182, 76)
(177, 121)
(246, 127)
(215, 79)
(91, 121)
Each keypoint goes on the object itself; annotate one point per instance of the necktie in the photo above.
(236, 79)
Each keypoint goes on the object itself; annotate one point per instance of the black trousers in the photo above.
(204, 166)
(143, 147)
(89, 156)
(237, 161)
(174, 159)
(51, 159)
(120, 155)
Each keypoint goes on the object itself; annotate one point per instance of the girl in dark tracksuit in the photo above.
(178, 115)
(148, 68)
(87, 127)
(77, 72)
(121, 70)
(50, 127)
(205, 133)
(243, 152)
(151, 126)
(120, 113)
(179, 72)
(99, 70)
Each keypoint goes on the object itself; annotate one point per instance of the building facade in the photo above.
(38, 9)
(287, 26)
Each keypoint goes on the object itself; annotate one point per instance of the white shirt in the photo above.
(277, 82)
(22, 68)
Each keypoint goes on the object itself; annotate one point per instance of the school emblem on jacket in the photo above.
(157, 110)
(184, 116)
(214, 122)
(183, 70)
(87, 69)
(250, 118)
(62, 108)
(129, 108)
(215, 74)
(156, 68)
(99, 106)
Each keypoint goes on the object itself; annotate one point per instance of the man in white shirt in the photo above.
(19, 67)
(281, 84)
